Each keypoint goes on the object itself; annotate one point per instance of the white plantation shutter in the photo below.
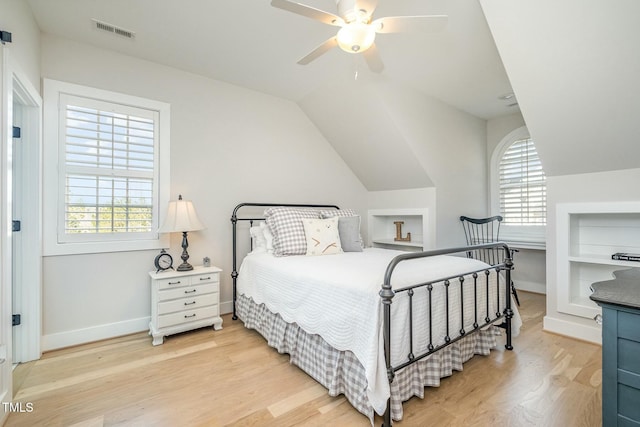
(522, 182)
(109, 170)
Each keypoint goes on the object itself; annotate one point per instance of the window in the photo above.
(518, 189)
(523, 188)
(112, 170)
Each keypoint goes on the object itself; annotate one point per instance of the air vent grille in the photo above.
(110, 28)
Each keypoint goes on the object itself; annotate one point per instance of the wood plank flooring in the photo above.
(232, 378)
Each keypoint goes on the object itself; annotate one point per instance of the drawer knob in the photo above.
(188, 316)
(598, 319)
(205, 278)
(192, 291)
(175, 283)
(189, 303)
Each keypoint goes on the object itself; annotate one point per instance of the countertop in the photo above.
(624, 290)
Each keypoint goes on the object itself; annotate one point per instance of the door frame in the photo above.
(17, 90)
(27, 266)
(6, 358)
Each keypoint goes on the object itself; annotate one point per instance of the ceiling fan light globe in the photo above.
(356, 37)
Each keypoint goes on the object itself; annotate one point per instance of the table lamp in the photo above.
(182, 217)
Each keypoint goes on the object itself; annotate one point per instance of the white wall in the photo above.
(615, 186)
(396, 138)
(451, 146)
(228, 145)
(500, 127)
(16, 17)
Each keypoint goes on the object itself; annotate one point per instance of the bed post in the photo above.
(386, 294)
(234, 273)
(508, 262)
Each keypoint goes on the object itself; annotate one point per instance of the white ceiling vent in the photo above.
(113, 29)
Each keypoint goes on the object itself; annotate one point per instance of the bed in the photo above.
(375, 325)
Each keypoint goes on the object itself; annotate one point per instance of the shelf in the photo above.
(417, 243)
(603, 260)
(382, 228)
(587, 235)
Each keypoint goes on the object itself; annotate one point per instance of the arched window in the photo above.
(519, 190)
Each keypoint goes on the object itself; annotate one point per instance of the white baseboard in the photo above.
(574, 330)
(95, 333)
(538, 288)
(226, 307)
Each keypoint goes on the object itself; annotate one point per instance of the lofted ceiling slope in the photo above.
(251, 44)
(574, 66)
(361, 130)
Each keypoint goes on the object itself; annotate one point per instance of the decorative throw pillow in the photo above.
(344, 213)
(322, 236)
(349, 229)
(286, 226)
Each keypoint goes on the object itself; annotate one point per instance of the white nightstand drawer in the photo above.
(188, 291)
(183, 304)
(205, 278)
(187, 316)
(173, 282)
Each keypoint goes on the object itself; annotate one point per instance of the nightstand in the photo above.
(184, 300)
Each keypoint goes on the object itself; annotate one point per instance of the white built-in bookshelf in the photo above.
(587, 235)
(382, 229)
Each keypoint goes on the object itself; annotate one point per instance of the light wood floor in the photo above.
(232, 378)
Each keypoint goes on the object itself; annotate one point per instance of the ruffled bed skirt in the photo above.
(341, 372)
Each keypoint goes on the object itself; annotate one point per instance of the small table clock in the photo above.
(163, 261)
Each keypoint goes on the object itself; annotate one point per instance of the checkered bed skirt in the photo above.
(341, 372)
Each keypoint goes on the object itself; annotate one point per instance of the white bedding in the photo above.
(336, 297)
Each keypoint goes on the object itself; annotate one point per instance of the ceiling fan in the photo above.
(358, 28)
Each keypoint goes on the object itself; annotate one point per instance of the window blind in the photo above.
(109, 162)
(523, 189)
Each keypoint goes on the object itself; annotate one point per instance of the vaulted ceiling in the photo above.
(254, 45)
(573, 66)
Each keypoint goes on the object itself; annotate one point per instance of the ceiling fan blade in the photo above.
(309, 12)
(374, 61)
(323, 48)
(401, 24)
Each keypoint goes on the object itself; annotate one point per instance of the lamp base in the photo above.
(185, 266)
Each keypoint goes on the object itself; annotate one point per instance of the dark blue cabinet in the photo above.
(620, 302)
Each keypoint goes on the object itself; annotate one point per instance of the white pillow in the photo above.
(322, 236)
(268, 237)
(258, 240)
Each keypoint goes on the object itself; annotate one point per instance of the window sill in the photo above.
(102, 247)
(521, 244)
(524, 237)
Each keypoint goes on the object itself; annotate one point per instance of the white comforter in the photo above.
(336, 297)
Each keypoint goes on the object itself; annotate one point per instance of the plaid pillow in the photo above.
(330, 213)
(286, 226)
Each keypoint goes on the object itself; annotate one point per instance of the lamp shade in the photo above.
(181, 216)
